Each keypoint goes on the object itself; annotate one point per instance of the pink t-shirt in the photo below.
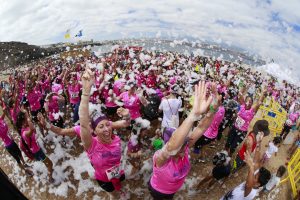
(30, 141)
(34, 98)
(106, 96)
(74, 93)
(151, 81)
(53, 107)
(244, 118)
(4, 133)
(169, 178)
(132, 103)
(117, 87)
(212, 130)
(159, 93)
(294, 117)
(103, 156)
(45, 86)
(57, 88)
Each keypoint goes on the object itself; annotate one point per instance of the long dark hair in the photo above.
(20, 120)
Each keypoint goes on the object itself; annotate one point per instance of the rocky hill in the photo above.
(13, 54)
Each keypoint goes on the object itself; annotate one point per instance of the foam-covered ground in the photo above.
(73, 175)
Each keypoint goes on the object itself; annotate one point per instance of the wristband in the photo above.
(211, 109)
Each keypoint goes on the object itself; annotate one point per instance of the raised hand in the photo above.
(88, 79)
(22, 109)
(201, 103)
(122, 112)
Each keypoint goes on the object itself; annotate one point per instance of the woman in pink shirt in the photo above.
(108, 93)
(246, 113)
(73, 91)
(10, 145)
(27, 132)
(132, 101)
(52, 107)
(211, 133)
(291, 121)
(171, 164)
(34, 97)
(104, 150)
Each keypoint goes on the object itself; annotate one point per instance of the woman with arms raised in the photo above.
(103, 150)
(171, 164)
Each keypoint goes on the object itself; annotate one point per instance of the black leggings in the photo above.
(108, 186)
(285, 131)
(235, 137)
(157, 195)
(59, 123)
(202, 141)
(14, 150)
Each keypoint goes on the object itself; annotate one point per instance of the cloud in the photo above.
(270, 28)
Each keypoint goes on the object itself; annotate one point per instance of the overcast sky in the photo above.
(269, 28)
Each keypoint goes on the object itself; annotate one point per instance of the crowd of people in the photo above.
(167, 102)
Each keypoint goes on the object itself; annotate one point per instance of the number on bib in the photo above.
(239, 122)
(74, 95)
(113, 172)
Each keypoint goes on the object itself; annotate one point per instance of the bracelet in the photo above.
(87, 95)
(211, 109)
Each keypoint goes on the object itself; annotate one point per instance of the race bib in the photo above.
(114, 172)
(74, 95)
(239, 122)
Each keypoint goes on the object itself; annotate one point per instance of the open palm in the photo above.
(201, 103)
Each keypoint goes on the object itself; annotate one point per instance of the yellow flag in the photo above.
(67, 36)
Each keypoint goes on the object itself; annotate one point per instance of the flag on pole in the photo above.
(79, 34)
(67, 34)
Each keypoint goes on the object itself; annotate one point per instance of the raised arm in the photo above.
(57, 130)
(88, 79)
(241, 95)
(30, 124)
(178, 138)
(260, 101)
(206, 121)
(125, 122)
(250, 177)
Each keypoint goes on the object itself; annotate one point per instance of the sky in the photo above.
(269, 28)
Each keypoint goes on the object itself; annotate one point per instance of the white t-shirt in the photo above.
(272, 182)
(238, 193)
(271, 149)
(170, 107)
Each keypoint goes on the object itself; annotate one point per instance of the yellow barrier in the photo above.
(274, 114)
(293, 169)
